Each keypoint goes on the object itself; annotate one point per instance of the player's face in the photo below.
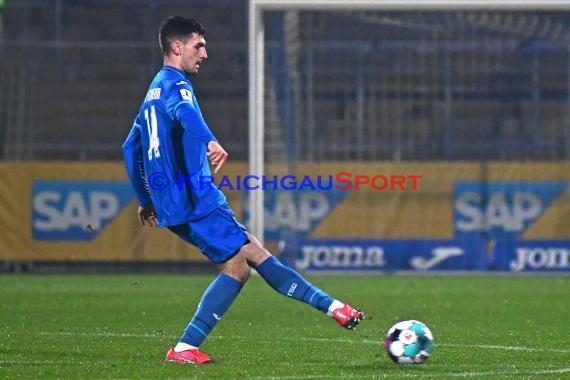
(193, 53)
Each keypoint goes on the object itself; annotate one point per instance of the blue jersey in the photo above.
(166, 152)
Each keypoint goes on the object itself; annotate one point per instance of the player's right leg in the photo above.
(290, 283)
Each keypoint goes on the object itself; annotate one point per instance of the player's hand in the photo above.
(147, 215)
(216, 155)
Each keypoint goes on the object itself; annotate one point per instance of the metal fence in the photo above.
(73, 75)
(413, 86)
(351, 86)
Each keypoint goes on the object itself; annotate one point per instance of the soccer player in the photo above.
(169, 136)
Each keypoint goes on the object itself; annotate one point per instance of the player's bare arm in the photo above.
(216, 155)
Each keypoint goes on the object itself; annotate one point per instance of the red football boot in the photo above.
(347, 316)
(193, 356)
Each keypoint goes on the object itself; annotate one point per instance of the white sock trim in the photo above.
(334, 305)
(183, 347)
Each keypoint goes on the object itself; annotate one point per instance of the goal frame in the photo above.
(256, 60)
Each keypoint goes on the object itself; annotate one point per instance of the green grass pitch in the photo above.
(120, 327)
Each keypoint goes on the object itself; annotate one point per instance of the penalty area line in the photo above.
(309, 339)
(101, 334)
(554, 371)
(478, 346)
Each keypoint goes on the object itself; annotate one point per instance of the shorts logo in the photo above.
(75, 210)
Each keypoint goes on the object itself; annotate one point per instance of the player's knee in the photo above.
(237, 269)
(241, 274)
(255, 253)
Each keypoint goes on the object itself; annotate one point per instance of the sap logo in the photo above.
(298, 211)
(538, 258)
(75, 210)
(320, 257)
(440, 254)
(501, 209)
(298, 214)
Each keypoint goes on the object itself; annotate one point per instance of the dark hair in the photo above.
(177, 28)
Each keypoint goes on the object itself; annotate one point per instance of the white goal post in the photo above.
(256, 80)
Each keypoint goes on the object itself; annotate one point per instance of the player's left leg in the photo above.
(290, 283)
(214, 303)
(220, 237)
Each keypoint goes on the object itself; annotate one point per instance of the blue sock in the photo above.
(290, 283)
(214, 303)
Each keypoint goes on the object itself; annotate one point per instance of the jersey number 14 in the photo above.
(152, 127)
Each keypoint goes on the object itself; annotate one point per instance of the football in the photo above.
(409, 342)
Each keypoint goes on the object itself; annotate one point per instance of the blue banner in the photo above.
(532, 256)
(384, 255)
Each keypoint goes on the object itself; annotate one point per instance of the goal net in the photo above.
(464, 94)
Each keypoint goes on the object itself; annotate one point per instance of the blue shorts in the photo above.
(218, 235)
